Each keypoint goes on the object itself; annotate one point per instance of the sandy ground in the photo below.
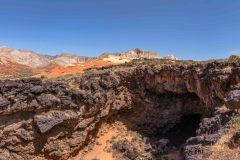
(221, 151)
(99, 148)
(102, 147)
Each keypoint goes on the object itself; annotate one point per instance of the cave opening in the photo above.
(165, 120)
(160, 123)
(183, 129)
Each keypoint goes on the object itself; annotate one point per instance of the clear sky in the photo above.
(190, 29)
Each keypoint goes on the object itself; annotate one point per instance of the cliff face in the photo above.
(129, 55)
(137, 53)
(54, 120)
(215, 83)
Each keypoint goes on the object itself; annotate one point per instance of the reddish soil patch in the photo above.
(14, 70)
(46, 68)
(73, 69)
(100, 148)
(116, 141)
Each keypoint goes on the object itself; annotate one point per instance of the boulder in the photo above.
(235, 140)
(47, 121)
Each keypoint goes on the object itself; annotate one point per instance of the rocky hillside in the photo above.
(32, 59)
(56, 119)
(138, 53)
(129, 55)
(133, 54)
(9, 69)
(59, 65)
(23, 57)
(66, 59)
(170, 57)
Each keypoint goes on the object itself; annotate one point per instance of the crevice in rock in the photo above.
(183, 129)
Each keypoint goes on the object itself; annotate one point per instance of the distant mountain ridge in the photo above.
(35, 60)
(32, 59)
(24, 57)
(65, 59)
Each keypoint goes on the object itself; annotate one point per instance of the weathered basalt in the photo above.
(55, 119)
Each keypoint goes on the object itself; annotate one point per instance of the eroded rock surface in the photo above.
(55, 119)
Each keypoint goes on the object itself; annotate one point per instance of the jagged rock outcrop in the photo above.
(131, 54)
(55, 119)
(170, 57)
(209, 132)
(138, 53)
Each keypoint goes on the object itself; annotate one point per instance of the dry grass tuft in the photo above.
(234, 58)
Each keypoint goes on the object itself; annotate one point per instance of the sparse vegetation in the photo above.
(236, 122)
(234, 58)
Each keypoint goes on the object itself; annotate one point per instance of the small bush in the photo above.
(145, 59)
(234, 58)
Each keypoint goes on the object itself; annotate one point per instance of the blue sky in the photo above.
(190, 29)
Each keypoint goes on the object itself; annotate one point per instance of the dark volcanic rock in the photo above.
(36, 89)
(47, 121)
(48, 100)
(209, 132)
(209, 125)
(3, 102)
(127, 150)
(233, 98)
(235, 140)
(54, 119)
